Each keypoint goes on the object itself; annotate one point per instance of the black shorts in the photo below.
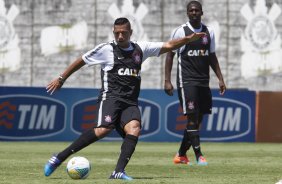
(114, 113)
(195, 99)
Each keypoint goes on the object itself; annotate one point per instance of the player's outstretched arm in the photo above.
(57, 83)
(176, 43)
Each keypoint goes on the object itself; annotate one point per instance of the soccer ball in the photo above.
(78, 168)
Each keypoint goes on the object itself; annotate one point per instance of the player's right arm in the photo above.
(101, 54)
(57, 83)
(168, 87)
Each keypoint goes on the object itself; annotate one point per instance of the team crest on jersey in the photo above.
(205, 40)
(191, 105)
(136, 57)
(108, 118)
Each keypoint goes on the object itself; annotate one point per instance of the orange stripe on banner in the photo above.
(9, 105)
(89, 117)
(180, 126)
(7, 114)
(90, 108)
(88, 125)
(6, 124)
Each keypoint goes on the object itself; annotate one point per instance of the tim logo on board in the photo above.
(231, 120)
(26, 117)
(84, 115)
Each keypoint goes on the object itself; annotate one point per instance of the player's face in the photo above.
(194, 13)
(122, 35)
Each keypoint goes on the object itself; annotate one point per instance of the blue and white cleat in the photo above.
(120, 175)
(202, 161)
(51, 165)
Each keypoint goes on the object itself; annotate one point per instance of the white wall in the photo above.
(23, 62)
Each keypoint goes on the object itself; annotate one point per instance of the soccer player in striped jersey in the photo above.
(120, 62)
(194, 61)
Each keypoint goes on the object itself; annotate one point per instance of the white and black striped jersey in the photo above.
(193, 58)
(121, 68)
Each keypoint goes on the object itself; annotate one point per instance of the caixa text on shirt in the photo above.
(128, 72)
(198, 53)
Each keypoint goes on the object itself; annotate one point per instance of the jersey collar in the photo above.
(193, 29)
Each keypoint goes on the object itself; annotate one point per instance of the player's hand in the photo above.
(222, 87)
(54, 85)
(195, 36)
(168, 88)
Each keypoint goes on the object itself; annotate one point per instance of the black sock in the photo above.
(195, 141)
(83, 140)
(185, 144)
(127, 149)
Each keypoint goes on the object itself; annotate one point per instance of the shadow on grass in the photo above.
(150, 178)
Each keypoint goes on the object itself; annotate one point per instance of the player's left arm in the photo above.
(216, 68)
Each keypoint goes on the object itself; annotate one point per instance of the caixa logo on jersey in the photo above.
(85, 116)
(26, 117)
(231, 120)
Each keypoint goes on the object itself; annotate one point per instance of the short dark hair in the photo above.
(122, 21)
(197, 3)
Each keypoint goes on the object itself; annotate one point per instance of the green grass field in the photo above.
(246, 163)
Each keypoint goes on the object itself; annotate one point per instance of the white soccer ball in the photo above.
(78, 168)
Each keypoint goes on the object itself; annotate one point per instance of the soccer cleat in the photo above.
(51, 165)
(181, 160)
(120, 175)
(202, 161)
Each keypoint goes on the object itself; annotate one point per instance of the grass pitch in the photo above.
(246, 163)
